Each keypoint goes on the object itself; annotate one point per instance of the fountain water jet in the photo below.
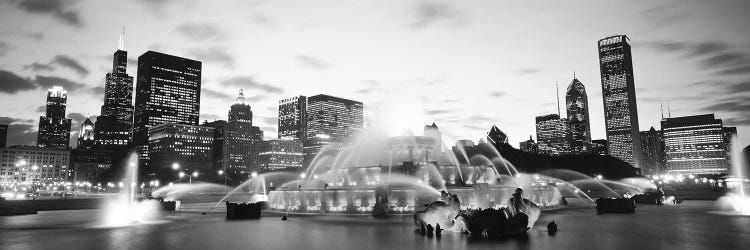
(125, 209)
(736, 202)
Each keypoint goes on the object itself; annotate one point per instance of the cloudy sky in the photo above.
(463, 64)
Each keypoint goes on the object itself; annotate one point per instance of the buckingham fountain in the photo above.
(382, 175)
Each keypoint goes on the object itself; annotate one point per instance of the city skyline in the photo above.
(480, 95)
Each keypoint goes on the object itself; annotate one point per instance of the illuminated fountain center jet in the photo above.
(126, 209)
(738, 201)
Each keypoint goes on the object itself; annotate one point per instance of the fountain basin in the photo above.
(400, 200)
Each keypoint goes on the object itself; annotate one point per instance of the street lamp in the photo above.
(175, 166)
(221, 172)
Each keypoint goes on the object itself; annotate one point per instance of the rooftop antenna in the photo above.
(661, 106)
(669, 110)
(121, 43)
(557, 92)
(574, 73)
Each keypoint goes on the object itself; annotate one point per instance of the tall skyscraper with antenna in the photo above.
(577, 107)
(618, 90)
(113, 126)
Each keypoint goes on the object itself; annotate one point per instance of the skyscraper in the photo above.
(652, 144)
(695, 145)
(433, 132)
(3, 135)
(339, 119)
(168, 91)
(114, 125)
(241, 138)
(553, 135)
(293, 118)
(54, 128)
(86, 135)
(618, 90)
(217, 148)
(331, 122)
(577, 106)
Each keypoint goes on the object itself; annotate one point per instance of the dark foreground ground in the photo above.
(691, 225)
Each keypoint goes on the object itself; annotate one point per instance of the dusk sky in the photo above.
(465, 65)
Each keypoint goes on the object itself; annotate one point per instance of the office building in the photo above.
(337, 118)
(168, 91)
(331, 123)
(187, 146)
(86, 134)
(217, 148)
(695, 145)
(113, 127)
(33, 165)
(3, 135)
(242, 139)
(92, 165)
(652, 145)
(54, 128)
(618, 90)
(577, 107)
(280, 154)
(293, 118)
(552, 135)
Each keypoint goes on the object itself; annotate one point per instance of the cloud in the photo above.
(526, 71)
(438, 112)
(36, 67)
(497, 94)
(59, 9)
(427, 13)
(70, 63)
(50, 81)
(41, 109)
(215, 94)
(59, 60)
(20, 131)
(371, 87)
(213, 54)
(662, 15)
(270, 120)
(249, 84)
(200, 31)
(719, 57)
(479, 118)
(262, 20)
(12, 83)
(3, 48)
(312, 62)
